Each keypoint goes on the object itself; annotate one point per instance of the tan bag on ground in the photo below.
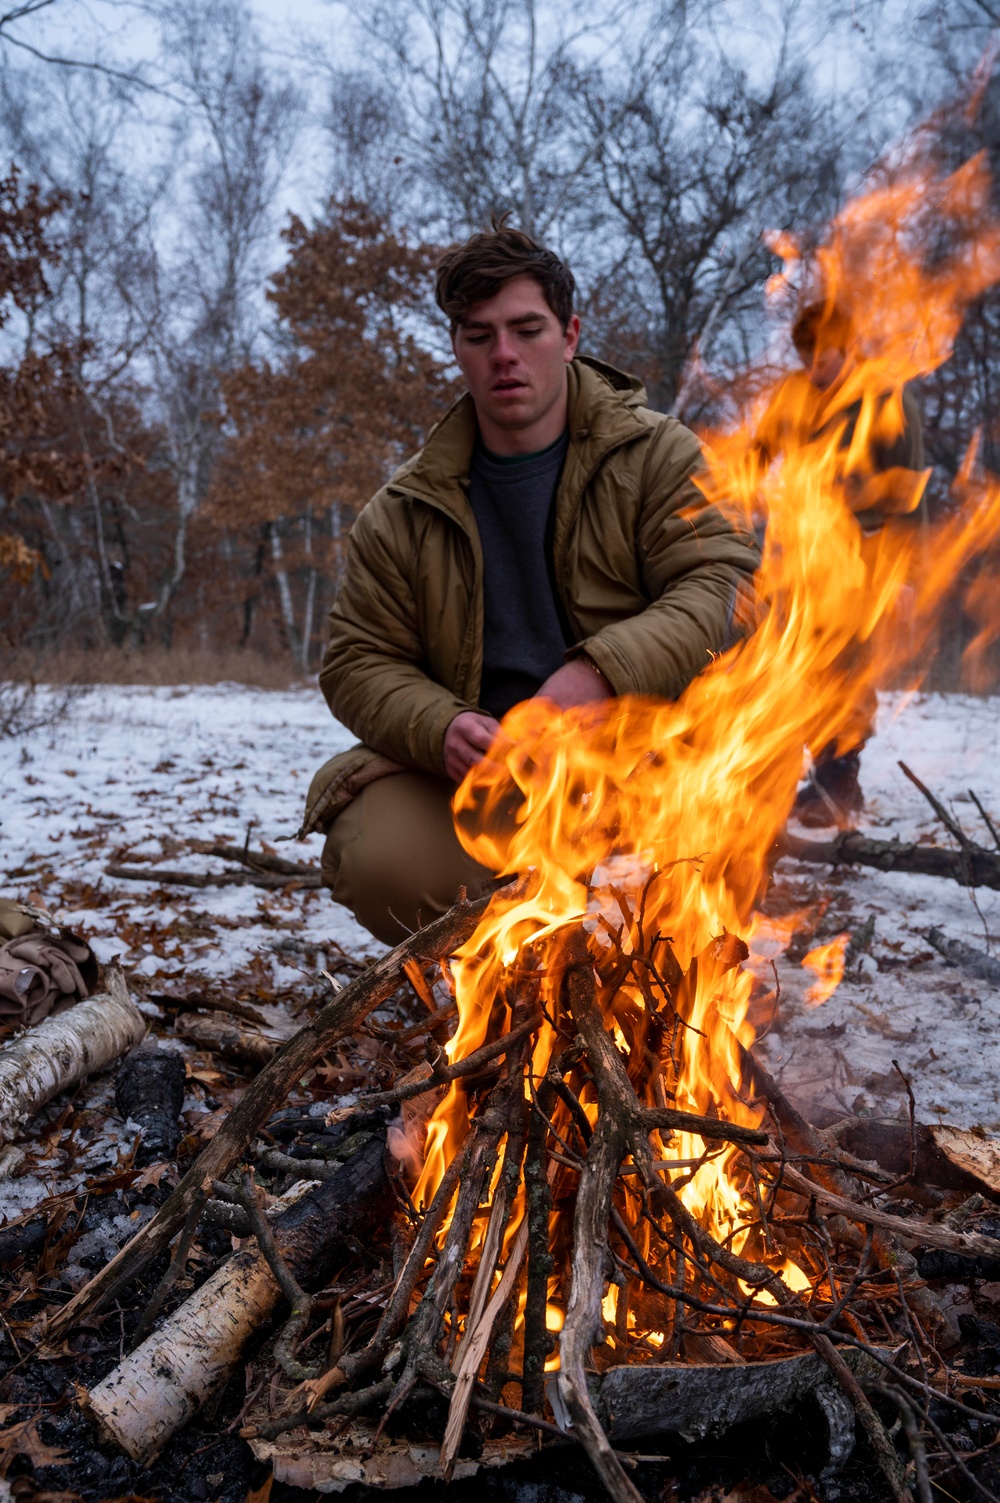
(43, 968)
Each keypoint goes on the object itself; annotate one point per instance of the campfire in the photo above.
(593, 1180)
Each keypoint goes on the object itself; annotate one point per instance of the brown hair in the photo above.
(472, 272)
(822, 325)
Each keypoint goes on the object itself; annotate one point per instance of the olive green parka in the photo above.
(652, 580)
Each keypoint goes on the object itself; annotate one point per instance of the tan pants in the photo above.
(393, 858)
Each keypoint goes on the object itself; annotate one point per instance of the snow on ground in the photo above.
(902, 1001)
(133, 775)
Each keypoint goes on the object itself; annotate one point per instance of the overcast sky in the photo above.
(843, 40)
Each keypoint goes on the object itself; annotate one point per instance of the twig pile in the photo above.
(566, 1198)
(564, 1188)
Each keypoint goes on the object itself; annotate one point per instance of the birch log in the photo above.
(58, 1052)
(162, 1384)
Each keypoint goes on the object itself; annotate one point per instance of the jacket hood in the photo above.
(602, 415)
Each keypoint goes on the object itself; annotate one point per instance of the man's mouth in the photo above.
(508, 388)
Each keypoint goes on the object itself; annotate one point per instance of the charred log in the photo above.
(149, 1091)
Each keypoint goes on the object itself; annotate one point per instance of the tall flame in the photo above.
(662, 816)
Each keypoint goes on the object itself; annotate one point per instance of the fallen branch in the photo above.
(173, 878)
(263, 861)
(950, 823)
(851, 848)
(218, 1032)
(924, 1233)
(266, 1094)
(274, 1022)
(964, 956)
(63, 1049)
(300, 1303)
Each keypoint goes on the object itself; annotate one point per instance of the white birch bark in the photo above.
(310, 605)
(157, 1389)
(284, 590)
(58, 1052)
(166, 1380)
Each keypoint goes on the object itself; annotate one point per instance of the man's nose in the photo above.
(503, 351)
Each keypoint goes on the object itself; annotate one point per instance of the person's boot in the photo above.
(833, 794)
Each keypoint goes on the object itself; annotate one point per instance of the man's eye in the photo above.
(530, 333)
(476, 338)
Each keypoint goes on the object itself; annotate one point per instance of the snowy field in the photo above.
(134, 775)
(901, 1000)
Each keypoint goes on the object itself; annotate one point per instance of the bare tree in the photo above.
(236, 135)
(477, 99)
(68, 128)
(697, 158)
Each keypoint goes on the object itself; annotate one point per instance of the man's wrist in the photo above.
(585, 658)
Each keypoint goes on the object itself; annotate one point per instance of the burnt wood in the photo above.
(149, 1091)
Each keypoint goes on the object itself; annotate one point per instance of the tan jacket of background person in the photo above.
(889, 474)
(651, 579)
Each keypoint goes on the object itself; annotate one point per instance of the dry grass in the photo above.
(156, 665)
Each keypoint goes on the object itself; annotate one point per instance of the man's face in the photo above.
(513, 354)
(824, 365)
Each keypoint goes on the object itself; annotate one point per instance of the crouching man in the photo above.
(547, 540)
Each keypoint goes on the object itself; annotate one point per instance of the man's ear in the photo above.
(572, 337)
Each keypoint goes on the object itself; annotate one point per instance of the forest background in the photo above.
(217, 331)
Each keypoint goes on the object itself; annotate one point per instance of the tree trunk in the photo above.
(284, 592)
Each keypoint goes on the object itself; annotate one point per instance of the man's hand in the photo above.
(471, 733)
(577, 682)
(466, 741)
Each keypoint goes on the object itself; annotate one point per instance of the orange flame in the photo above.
(661, 816)
(827, 961)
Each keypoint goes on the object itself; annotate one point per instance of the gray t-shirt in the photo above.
(524, 634)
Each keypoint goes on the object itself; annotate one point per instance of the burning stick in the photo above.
(807, 1140)
(970, 1244)
(482, 1316)
(593, 1212)
(627, 1131)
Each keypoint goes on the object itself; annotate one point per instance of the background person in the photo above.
(883, 483)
